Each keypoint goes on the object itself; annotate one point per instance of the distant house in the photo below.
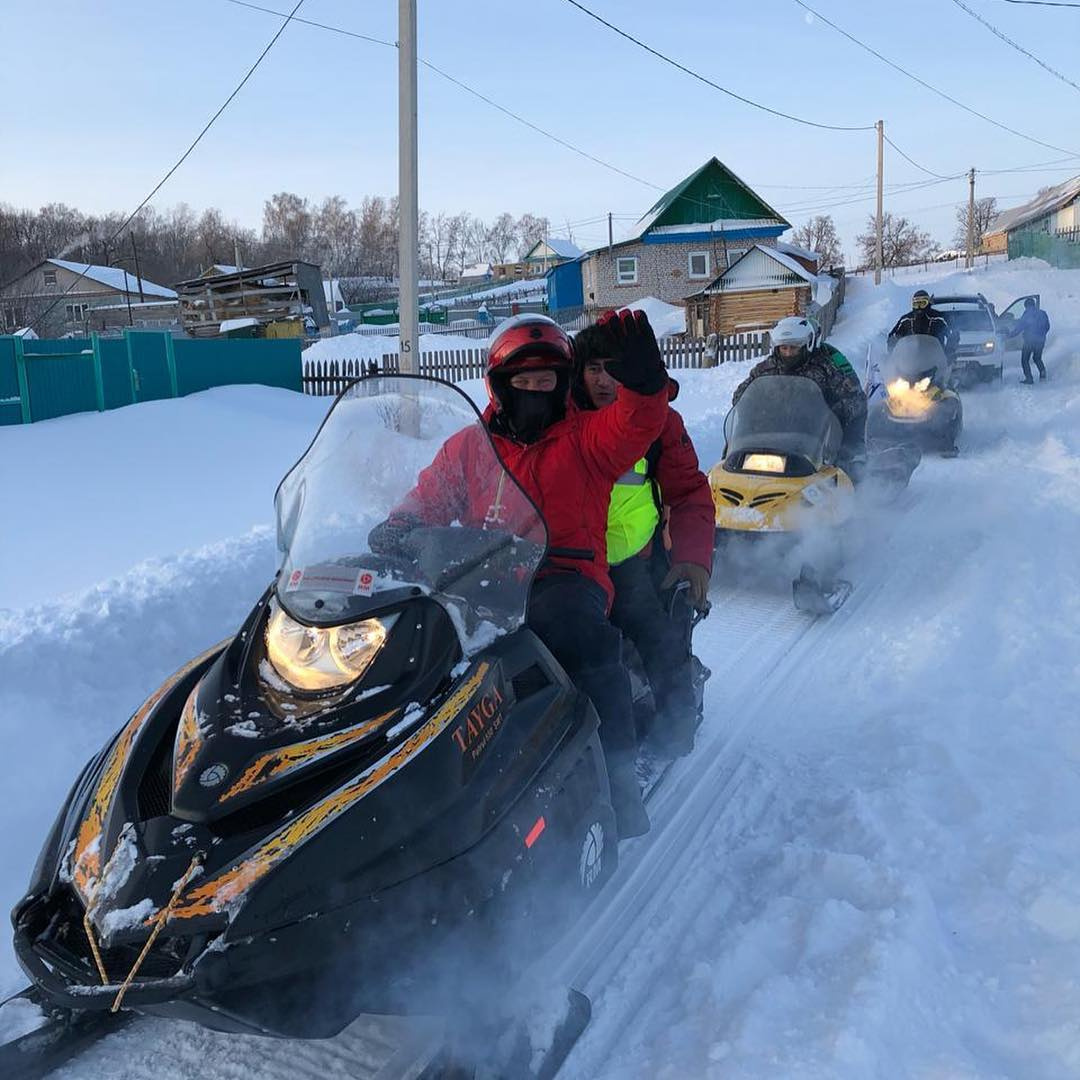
(762, 286)
(545, 254)
(475, 275)
(1048, 227)
(71, 293)
(700, 227)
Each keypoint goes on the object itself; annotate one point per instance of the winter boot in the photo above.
(631, 817)
(1029, 381)
(673, 732)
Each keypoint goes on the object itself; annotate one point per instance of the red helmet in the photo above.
(527, 342)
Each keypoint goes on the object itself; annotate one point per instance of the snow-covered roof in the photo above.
(798, 252)
(1050, 200)
(563, 248)
(479, 270)
(114, 277)
(735, 276)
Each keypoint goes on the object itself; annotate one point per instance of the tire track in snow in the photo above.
(718, 782)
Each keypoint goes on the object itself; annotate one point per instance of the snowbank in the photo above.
(666, 319)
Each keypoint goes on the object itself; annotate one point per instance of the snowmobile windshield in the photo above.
(401, 493)
(915, 357)
(783, 415)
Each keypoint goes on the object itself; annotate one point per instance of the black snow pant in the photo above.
(1029, 353)
(661, 641)
(568, 612)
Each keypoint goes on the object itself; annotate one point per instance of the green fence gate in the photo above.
(40, 380)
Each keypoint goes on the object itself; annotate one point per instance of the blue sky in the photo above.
(101, 98)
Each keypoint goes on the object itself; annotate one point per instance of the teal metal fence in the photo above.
(1059, 251)
(40, 380)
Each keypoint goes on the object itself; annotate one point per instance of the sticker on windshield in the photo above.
(365, 583)
(331, 577)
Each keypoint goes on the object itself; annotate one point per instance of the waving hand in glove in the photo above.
(636, 362)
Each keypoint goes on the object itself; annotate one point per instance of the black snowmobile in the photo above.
(383, 795)
(910, 398)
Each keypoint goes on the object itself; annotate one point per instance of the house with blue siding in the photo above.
(688, 237)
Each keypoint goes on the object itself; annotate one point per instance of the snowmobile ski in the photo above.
(816, 597)
(61, 1038)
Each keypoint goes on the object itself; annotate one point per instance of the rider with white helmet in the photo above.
(798, 349)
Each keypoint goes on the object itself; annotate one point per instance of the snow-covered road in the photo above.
(868, 866)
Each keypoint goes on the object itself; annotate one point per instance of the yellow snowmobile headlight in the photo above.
(923, 384)
(318, 658)
(898, 387)
(770, 463)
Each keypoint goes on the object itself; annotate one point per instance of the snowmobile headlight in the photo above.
(318, 658)
(923, 384)
(898, 387)
(770, 463)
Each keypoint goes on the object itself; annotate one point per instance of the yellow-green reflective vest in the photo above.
(633, 516)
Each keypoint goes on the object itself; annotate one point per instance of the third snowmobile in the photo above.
(910, 400)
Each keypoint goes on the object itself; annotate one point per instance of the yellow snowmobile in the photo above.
(779, 478)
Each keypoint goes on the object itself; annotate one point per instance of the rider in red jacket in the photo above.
(566, 461)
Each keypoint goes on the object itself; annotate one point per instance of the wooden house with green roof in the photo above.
(692, 234)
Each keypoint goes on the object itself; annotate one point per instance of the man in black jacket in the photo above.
(923, 318)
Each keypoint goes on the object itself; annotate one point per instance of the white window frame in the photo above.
(76, 312)
(623, 277)
(49, 274)
(690, 265)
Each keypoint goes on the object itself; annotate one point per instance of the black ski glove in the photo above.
(636, 361)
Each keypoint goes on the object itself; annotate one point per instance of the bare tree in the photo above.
(985, 212)
(502, 237)
(288, 226)
(819, 234)
(902, 242)
(531, 230)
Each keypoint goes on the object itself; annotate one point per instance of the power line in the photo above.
(928, 86)
(182, 158)
(1043, 3)
(1016, 45)
(921, 168)
(708, 82)
(463, 86)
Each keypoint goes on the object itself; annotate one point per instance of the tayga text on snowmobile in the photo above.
(910, 399)
(780, 484)
(382, 794)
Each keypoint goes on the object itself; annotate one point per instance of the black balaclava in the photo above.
(527, 414)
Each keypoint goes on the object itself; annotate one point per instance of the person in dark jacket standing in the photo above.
(566, 461)
(923, 318)
(792, 354)
(665, 481)
(1034, 325)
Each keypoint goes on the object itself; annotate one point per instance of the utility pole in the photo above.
(969, 262)
(138, 272)
(610, 236)
(408, 198)
(879, 246)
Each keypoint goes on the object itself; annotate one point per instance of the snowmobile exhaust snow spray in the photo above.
(382, 794)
